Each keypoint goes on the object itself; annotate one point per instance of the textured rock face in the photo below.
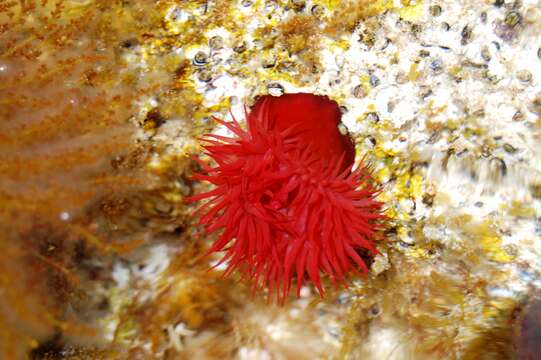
(101, 104)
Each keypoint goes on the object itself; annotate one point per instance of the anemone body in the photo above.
(286, 200)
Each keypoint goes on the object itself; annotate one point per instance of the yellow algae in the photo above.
(330, 4)
(383, 175)
(385, 124)
(414, 73)
(409, 185)
(519, 209)
(411, 10)
(384, 151)
(452, 124)
(416, 186)
(460, 220)
(402, 232)
(489, 240)
(432, 110)
(456, 72)
(342, 44)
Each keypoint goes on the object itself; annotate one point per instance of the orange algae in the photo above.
(63, 126)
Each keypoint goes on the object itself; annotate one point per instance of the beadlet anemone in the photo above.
(286, 197)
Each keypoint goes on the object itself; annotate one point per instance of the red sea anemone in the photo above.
(286, 197)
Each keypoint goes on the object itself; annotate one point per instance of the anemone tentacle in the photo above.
(283, 213)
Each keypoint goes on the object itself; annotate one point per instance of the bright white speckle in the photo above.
(342, 129)
(153, 102)
(155, 264)
(275, 91)
(246, 353)
(121, 275)
(305, 292)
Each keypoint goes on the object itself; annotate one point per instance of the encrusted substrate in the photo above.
(101, 104)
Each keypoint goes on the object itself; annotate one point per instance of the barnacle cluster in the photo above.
(101, 104)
